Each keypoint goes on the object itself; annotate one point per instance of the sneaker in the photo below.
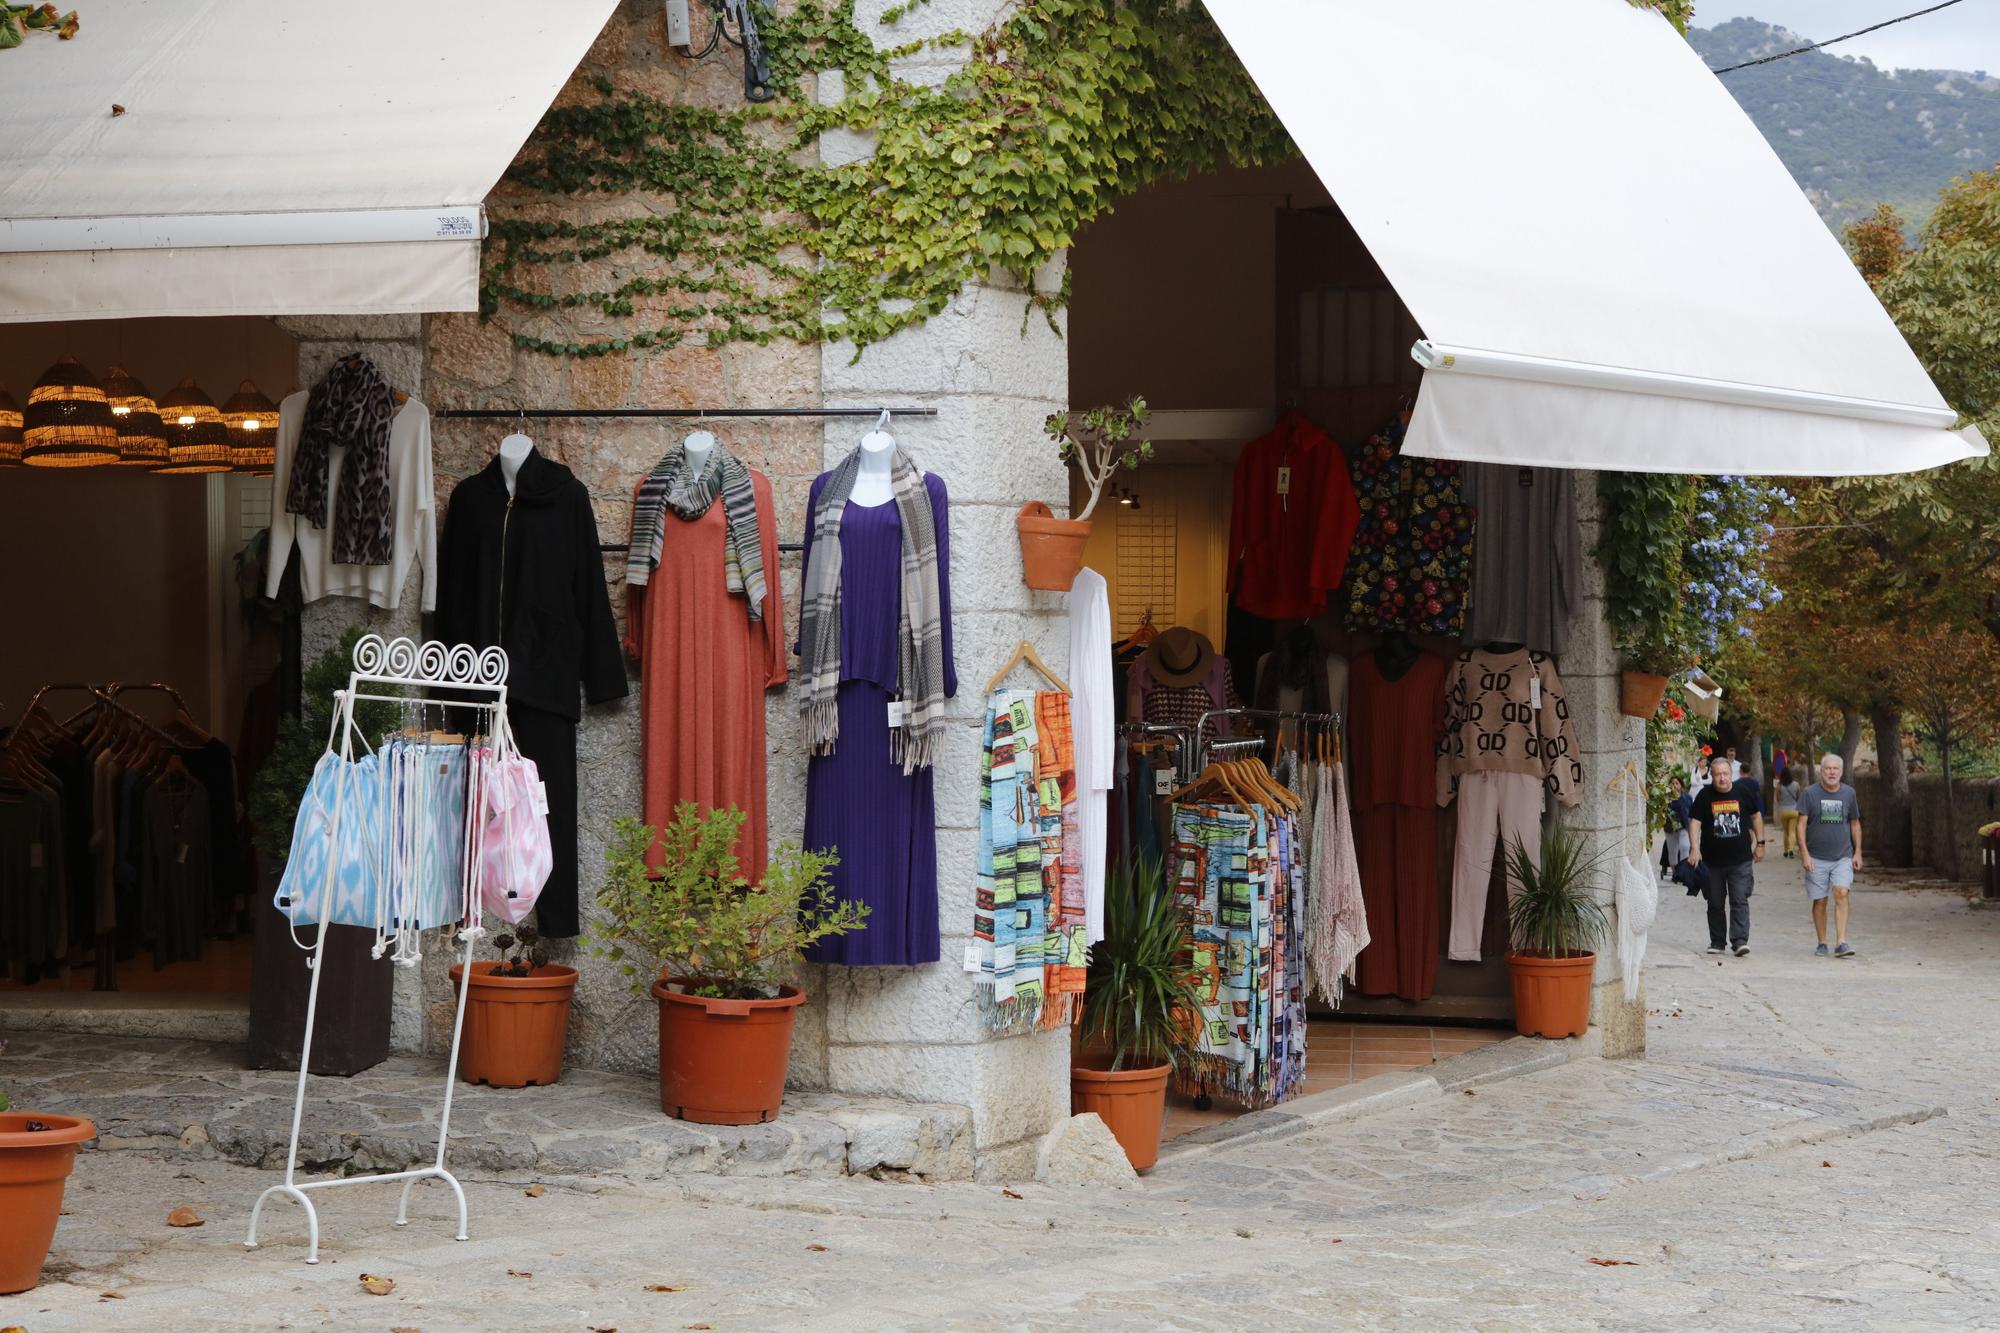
(1742, 951)
(1822, 951)
(1717, 948)
(1843, 950)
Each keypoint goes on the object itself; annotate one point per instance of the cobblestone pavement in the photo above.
(1811, 1143)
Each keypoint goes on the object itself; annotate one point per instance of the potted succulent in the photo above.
(36, 1153)
(1099, 442)
(726, 951)
(1136, 1004)
(516, 1014)
(1556, 925)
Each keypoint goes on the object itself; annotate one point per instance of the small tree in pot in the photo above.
(726, 951)
(1099, 443)
(1556, 924)
(36, 1153)
(516, 1013)
(1136, 1007)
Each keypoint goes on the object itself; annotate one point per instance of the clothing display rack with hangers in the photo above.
(467, 679)
(1183, 737)
(1279, 715)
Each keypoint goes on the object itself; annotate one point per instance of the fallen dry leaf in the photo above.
(1614, 1263)
(1335, 1241)
(185, 1217)
(117, 110)
(402, 1328)
(1009, 1194)
(534, 1191)
(1471, 1092)
(377, 1285)
(110, 1295)
(1826, 1163)
(519, 1272)
(697, 1325)
(661, 1286)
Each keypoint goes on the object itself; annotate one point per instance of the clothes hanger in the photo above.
(1025, 652)
(1144, 634)
(1209, 777)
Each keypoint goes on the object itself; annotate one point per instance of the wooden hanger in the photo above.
(1212, 776)
(1146, 632)
(1025, 652)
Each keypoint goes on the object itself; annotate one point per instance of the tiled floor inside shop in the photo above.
(1341, 1053)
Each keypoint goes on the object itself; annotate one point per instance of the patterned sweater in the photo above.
(1493, 725)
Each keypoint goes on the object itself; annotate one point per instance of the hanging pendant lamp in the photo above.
(197, 441)
(252, 421)
(10, 432)
(142, 440)
(68, 421)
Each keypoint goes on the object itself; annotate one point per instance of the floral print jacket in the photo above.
(1411, 563)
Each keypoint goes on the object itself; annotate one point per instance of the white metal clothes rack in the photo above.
(476, 680)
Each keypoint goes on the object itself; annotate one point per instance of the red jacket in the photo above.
(1293, 519)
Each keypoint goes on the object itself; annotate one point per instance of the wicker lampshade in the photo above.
(142, 441)
(68, 422)
(252, 420)
(10, 432)
(197, 441)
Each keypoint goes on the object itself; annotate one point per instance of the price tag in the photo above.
(896, 711)
(972, 958)
(1284, 481)
(1535, 693)
(181, 855)
(1163, 782)
(541, 798)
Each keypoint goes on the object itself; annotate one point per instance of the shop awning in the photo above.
(1611, 267)
(270, 158)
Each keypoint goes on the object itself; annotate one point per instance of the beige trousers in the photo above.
(1494, 811)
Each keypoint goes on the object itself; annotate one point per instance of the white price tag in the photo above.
(972, 958)
(1535, 693)
(895, 714)
(1163, 782)
(541, 798)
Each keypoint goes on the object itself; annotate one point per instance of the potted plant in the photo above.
(1556, 925)
(36, 1153)
(1136, 1003)
(516, 1014)
(726, 951)
(1099, 443)
(1642, 548)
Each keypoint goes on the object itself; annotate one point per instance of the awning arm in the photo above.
(1584, 375)
(197, 231)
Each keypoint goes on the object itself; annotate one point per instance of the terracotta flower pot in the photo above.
(1639, 693)
(1133, 1102)
(1551, 995)
(515, 1026)
(722, 1062)
(1051, 547)
(34, 1164)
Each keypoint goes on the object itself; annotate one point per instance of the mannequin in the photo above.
(871, 482)
(699, 446)
(514, 451)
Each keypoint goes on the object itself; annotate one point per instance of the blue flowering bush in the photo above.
(1727, 556)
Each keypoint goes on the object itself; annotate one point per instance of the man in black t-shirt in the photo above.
(1726, 837)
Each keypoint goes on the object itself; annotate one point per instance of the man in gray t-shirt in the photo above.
(1830, 849)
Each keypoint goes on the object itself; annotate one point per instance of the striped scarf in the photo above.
(671, 485)
(920, 636)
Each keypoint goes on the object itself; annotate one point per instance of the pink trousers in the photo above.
(1495, 810)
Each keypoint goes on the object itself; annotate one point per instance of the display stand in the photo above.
(476, 680)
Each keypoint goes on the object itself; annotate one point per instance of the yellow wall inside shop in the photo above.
(1198, 497)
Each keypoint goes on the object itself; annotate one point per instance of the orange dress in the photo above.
(703, 668)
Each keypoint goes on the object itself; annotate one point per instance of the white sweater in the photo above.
(413, 502)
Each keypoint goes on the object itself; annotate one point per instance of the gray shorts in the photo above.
(1826, 875)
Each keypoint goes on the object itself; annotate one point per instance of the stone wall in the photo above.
(1975, 801)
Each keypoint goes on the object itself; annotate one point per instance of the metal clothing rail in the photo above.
(670, 413)
(466, 672)
(1267, 714)
(1184, 751)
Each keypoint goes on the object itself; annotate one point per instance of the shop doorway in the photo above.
(1228, 300)
(137, 631)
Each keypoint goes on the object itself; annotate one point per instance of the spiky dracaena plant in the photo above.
(1553, 913)
(1139, 995)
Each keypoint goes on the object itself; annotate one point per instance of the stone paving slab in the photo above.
(195, 1098)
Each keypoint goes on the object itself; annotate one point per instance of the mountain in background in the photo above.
(1855, 135)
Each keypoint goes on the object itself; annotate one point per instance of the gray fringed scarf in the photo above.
(352, 408)
(671, 485)
(920, 634)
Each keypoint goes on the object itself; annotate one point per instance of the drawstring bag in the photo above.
(1637, 895)
(353, 786)
(515, 854)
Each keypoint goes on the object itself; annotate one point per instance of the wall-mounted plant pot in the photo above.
(1640, 693)
(722, 1062)
(1051, 547)
(1131, 1102)
(1551, 995)
(515, 1027)
(34, 1167)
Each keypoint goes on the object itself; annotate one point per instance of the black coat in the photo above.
(547, 604)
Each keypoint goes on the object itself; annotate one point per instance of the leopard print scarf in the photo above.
(352, 408)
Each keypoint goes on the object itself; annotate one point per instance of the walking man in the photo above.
(1830, 850)
(1726, 835)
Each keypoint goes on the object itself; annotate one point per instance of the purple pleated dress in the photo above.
(859, 803)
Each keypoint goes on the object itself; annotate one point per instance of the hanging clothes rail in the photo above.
(670, 414)
(459, 675)
(1261, 714)
(1184, 751)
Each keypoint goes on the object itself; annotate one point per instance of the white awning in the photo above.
(271, 158)
(1611, 267)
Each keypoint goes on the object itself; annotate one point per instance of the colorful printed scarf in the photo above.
(920, 637)
(671, 485)
(1028, 917)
